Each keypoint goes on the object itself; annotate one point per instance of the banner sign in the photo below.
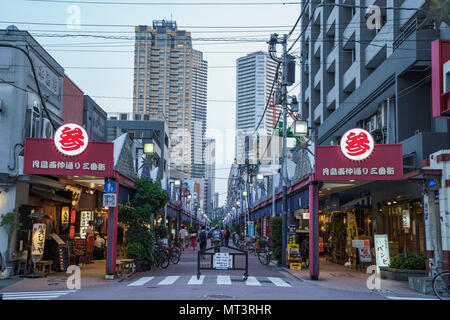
(291, 234)
(384, 163)
(440, 82)
(381, 250)
(222, 261)
(364, 254)
(251, 228)
(42, 157)
(360, 243)
(38, 239)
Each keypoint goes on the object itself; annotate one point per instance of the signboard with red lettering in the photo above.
(358, 158)
(71, 139)
(42, 156)
(440, 75)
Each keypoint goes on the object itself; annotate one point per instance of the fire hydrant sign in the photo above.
(109, 200)
(222, 261)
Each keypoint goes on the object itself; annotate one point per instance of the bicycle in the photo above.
(440, 282)
(264, 252)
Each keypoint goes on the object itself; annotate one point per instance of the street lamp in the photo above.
(259, 177)
(244, 193)
(149, 148)
(300, 128)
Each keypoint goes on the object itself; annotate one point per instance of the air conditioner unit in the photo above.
(47, 131)
(32, 122)
(372, 124)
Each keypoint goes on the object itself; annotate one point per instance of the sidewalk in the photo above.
(91, 275)
(335, 276)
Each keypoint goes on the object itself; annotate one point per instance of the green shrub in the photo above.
(161, 232)
(276, 238)
(415, 261)
(258, 229)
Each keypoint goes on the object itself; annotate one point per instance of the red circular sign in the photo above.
(357, 144)
(71, 139)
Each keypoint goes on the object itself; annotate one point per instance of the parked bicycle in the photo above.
(264, 252)
(441, 281)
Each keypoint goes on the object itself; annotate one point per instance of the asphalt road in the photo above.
(179, 282)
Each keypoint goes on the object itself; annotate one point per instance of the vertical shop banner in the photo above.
(381, 250)
(85, 217)
(265, 230)
(352, 234)
(251, 228)
(65, 215)
(406, 219)
(291, 234)
(38, 240)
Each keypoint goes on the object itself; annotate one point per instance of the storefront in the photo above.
(66, 178)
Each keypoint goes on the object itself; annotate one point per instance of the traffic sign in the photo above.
(110, 186)
(110, 200)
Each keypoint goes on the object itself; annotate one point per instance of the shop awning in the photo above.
(364, 202)
(50, 196)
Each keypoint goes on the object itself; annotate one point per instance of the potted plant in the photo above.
(161, 233)
(139, 238)
(401, 269)
(8, 222)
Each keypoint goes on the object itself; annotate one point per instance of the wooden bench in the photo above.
(124, 265)
(41, 265)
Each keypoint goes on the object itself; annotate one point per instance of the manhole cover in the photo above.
(219, 296)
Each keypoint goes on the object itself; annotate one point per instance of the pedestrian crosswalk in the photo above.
(35, 295)
(221, 280)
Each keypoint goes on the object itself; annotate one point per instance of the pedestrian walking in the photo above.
(226, 235)
(183, 235)
(194, 239)
(203, 236)
(89, 242)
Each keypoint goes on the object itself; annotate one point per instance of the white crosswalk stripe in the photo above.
(219, 280)
(194, 280)
(169, 280)
(140, 282)
(35, 295)
(279, 282)
(224, 280)
(251, 281)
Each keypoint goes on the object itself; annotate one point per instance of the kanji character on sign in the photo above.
(71, 139)
(357, 144)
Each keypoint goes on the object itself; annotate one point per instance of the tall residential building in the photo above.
(380, 80)
(210, 175)
(163, 85)
(254, 77)
(199, 111)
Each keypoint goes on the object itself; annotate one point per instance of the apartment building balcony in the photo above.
(318, 44)
(349, 34)
(375, 52)
(316, 17)
(349, 78)
(318, 112)
(317, 79)
(332, 99)
(405, 15)
(154, 75)
(331, 60)
(307, 94)
(331, 22)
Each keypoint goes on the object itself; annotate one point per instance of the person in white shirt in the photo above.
(183, 235)
(99, 247)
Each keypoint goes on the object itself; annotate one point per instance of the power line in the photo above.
(269, 96)
(169, 3)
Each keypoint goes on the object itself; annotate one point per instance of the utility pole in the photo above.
(284, 83)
